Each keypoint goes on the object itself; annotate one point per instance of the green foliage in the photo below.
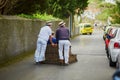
(107, 10)
(26, 16)
(44, 16)
(29, 7)
(116, 11)
(110, 10)
(96, 1)
(39, 16)
(106, 5)
(104, 15)
(57, 8)
(63, 8)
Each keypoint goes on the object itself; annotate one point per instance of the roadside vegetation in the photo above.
(111, 11)
(95, 1)
(57, 8)
(38, 16)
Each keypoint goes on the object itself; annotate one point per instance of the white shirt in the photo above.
(45, 32)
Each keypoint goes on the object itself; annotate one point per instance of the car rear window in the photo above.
(87, 26)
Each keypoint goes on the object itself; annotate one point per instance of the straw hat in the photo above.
(61, 23)
(49, 23)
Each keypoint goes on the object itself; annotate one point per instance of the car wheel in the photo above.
(107, 55)
(117, 65)
(90, 33)
(111, 63)
(103, 38)
(105, 47)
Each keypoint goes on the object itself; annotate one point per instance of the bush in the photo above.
(39, 16)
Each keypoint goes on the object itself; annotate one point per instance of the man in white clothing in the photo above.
(44, 35)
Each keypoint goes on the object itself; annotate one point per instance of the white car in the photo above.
(114, 48)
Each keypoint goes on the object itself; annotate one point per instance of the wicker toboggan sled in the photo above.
(52, 55)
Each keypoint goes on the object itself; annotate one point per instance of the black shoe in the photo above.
(37, 63)
(66, 64)
(61, 62)
(41, 62)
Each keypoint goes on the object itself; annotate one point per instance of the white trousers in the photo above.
(40, 50)
(66, 45)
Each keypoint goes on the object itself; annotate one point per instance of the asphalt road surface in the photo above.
(92, 63)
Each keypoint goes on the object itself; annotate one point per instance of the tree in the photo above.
(57, 8)
(29, 7)
(6, 6)
(2, 5)
(115, 13)
(63, 8)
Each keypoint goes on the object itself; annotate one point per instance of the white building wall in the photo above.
(110, 1)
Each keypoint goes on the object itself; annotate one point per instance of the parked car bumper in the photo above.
(114, 54)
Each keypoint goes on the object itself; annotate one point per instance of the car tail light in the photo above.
(116, 45)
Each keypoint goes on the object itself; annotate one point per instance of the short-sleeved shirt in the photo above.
(45, 32)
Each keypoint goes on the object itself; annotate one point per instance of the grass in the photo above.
(39, 16)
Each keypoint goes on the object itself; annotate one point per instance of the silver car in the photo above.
(114, 48)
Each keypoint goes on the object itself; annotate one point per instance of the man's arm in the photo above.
(50, 38)
(57, 36)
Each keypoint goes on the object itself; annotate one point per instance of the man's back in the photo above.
(45, 32)
(62, 33)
